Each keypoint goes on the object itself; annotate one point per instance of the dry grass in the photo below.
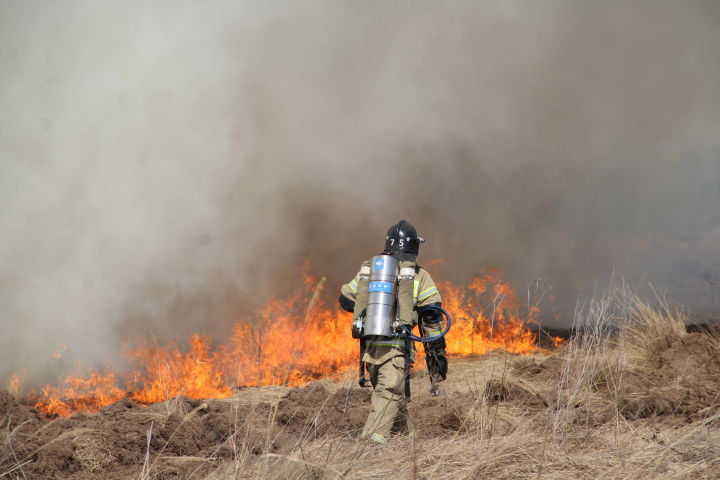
(92, 452)
(578, 432)
(546, 416)
(688, 452)
(649, 329)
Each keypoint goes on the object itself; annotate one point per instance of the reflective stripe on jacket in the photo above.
(424, 290)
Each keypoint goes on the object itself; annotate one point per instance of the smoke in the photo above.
(167, 165)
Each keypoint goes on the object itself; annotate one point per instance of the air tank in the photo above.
(381, 307)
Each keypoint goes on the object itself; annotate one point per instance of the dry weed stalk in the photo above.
(584, 357)
(647, 330)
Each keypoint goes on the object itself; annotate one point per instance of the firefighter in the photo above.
(388, 360)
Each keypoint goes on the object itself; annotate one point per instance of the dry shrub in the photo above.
(644, 404)
(92, 453)
(506, 390)
(480, 420)
(455, 418)
(527, 366)
(648, 330)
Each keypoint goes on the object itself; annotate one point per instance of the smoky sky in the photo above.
(166, 166)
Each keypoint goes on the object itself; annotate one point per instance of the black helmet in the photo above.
(402, 238)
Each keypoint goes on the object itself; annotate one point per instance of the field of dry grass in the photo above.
(630, 396)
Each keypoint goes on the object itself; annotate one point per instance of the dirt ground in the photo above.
(190, 438)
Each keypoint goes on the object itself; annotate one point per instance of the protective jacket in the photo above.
(424, 293)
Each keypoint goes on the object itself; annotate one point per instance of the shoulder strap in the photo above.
(406, 285)
(362, 290)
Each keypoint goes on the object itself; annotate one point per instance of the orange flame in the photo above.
(80, 394)
(292, 342)
(58, 353)
(15, 383)
(487, 317)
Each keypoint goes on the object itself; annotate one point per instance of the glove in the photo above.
(435, 359)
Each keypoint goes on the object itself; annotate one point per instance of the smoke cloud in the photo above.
(164, 166)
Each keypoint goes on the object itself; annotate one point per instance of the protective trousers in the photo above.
(388, 403)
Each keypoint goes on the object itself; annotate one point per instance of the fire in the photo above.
(487, 317)
(302, 338)
(58, 352)
(80, 394)
(15, 383)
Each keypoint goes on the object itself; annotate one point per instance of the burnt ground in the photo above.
(188, 438)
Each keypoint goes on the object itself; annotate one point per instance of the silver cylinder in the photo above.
(381, 307)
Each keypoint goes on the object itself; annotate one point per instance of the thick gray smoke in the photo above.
(164, 166)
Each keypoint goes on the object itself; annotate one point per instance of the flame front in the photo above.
(486, 316)
(293, 342)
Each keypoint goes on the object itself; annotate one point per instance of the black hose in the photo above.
(436, 337)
